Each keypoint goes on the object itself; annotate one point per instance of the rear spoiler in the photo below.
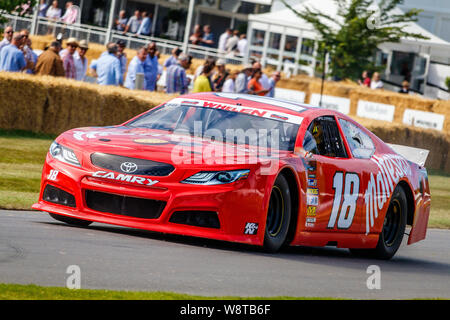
(416, 155)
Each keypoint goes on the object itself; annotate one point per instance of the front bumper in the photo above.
(236, 204)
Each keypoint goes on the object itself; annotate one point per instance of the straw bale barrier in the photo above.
(356, 93)
(53, 105)
(437, 142)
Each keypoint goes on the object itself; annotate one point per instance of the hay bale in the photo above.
(52, 105)
(443, 107)
(21, 101)
(437, 142)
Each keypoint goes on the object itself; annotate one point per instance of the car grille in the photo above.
(123, 205)
(206, 219)
(143, 167)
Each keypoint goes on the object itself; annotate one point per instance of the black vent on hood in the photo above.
(132, 166)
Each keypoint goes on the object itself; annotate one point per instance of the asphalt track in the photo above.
(35, 249)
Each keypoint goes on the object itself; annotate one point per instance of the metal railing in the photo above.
(94, 34)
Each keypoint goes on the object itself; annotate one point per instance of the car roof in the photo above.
(253, 101)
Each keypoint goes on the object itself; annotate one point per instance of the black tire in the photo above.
(393, 229)
(71, 221)
(278, 216)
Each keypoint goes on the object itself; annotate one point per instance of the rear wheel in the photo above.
(278, 216)
(393, 229)
(71, 221)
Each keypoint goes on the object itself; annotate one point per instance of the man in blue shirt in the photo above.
(122, 56)
(151, 67)
(136, 66)
(208, 37)
(146, 24)
(121, 23)
(173, 58)
(276, 76)
(11, 58)
(176, 79)
(107, 67)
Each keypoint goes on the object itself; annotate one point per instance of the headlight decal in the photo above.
(216, 177)
(63, 154)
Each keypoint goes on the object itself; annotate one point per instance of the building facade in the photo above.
(435, 16)
(169, 17)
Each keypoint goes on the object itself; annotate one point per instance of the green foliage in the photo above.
(447, 83)
(14, 6)
(360, 26)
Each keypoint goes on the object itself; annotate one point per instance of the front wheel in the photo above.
(278, 215)
(71, 221)
(393, 229)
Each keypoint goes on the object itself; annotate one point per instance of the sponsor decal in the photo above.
(189, 102)
(53, 175)
(282, 103)
(151, 141)
(391, 168)
(251, 228)
(82, 135)
(311, 211)
(312, 183)
(309, 163)
(124, 177)
(313, 191)
(311, 220)
(128, 167)
(241, 109)
(275, 116)
(309, 225)
(311, 176)
(312, 200)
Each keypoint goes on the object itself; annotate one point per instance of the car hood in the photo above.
(182, 151)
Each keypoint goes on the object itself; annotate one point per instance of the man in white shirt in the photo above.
(243, 45)
(81, 63)
(54, 13)
(376, 82)
(223, 40)
(232, 42)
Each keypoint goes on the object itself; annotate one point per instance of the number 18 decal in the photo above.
(346, 211)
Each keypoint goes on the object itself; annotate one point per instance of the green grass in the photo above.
(440, 200)
(22, 155)
(34, 292)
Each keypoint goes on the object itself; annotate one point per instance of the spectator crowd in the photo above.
(142, 72)
(231, 42)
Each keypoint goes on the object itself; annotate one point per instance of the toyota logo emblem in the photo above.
(128, 167)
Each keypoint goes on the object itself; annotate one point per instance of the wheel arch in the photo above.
(409, 200)
(292, 181)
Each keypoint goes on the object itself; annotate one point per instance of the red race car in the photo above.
(241, 168)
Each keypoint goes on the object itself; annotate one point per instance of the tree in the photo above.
(20, 7)
(353, 36)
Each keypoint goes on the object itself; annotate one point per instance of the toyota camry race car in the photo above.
(241, 168)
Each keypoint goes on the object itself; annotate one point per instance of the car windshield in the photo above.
(220, 125)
